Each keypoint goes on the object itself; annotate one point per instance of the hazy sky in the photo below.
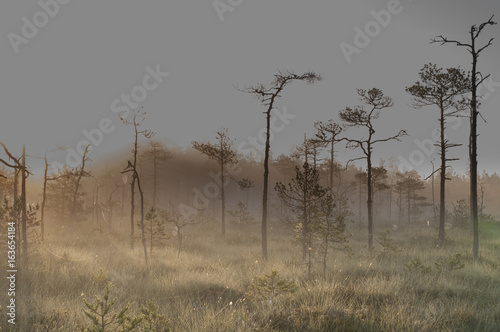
(67, 76)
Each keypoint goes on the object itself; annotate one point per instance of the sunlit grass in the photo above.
(206, 288)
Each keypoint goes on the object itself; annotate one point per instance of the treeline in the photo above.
(186, 177)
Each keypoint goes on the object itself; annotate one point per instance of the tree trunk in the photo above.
(390, 203)
(132, 190)
(23, 212)
(44, 196)
(77, 186)
(304, 231)
(369, 202)
(123, 205)
(433, 197)
(179, 241)
(154, 177)
(332, 154)
(409, 205)
(360, 210)
(266, 180)
(442, 183)
(309, 265)
(473, 157)
(223, 198)
(16, 212)
(151, 237)
(481, 205)
(143, 236)
(400, 203)
(325, 254)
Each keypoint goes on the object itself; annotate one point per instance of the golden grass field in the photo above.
(206, 289)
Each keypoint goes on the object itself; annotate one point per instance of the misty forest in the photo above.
(230, 235)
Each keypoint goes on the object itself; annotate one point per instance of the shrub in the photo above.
(416, 265)
(449, 264)
(269, 286)
(152, 321)
(389, 245)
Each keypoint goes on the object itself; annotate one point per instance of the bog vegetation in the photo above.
(292, 256)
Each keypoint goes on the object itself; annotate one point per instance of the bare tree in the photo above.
(79, 175)
(110, 205)
(96, 204)
(477, 79)
(20, 166)
(44, 197)
(222, 152)
(138, 118)
(268, 95)
(44, 191)
(174, 216)
(359, 117)
(442, 89)
(17, 167)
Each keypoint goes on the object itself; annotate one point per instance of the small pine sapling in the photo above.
(104, 318)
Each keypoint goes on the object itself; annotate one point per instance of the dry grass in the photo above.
(205, 290)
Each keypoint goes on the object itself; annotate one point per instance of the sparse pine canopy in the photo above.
(222, 151)
(375, 101)
(442, 88)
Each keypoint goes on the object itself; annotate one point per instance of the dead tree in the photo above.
(46, 179)
(16, 166)
(223, 153)
(44, 197)
(175, 217)
(268, 95)
(138, 118)
(359, 117)
(110, 205)
(20, 166)
(79, 175)
(477, 79)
